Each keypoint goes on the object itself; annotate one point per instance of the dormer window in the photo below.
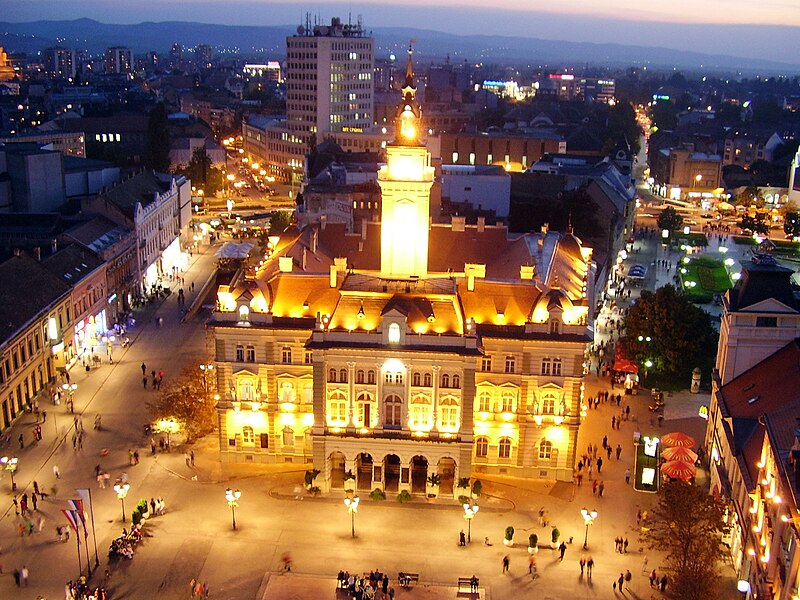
(394, 333)
(244, 313)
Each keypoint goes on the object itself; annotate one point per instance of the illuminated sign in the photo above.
(703, 412)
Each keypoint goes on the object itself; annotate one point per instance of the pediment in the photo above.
(768, 305)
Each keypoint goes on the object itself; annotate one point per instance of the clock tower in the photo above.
(406, 182)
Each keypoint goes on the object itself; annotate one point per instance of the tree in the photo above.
(681, 335)
(664, 115)
(688, 524)
(156, 153)
(791, 224)
(750, 196)
(622, 128)
(189, 400)
(757, 224)
(202, 174)
(279, 221)
(669, 219)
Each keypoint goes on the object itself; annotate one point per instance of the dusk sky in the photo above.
(767, 29)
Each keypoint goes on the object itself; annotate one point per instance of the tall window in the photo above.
(244, 313)
(511, 364)
(484, 401)
(360, 376)
(456, 381)
(251, 354)
(504, 451)
(448, 414)
(337, 409)
(556, 366)
(547, 366)
(343, 376)
(415, 379)
(545, 450)
(555, 325)
(548, 405)
(307, 355)
(481, 447)
(286, 355)
(394, 333)
(288, 436)
(332, 376)
(393, 407)
(246, 390)
(445, 380)
(287, 392)
(248, 439)
(371, 377)
(420, 411)
(239, 353)
(507, 402)
(486, 364)
(427, 380)
(366, 417)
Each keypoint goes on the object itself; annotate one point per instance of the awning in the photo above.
(234, 250)
(637, 271)
(623, 363)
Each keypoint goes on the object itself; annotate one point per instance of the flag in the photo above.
(77, 506)
(72, 517)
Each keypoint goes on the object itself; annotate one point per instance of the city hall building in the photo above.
(407, 349)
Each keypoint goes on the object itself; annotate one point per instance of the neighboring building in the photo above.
(34, 318)
(753, 434)
(203, 55)
(116, 245)
(67, 142)
(512, 151)
(85, 176)
(408, 349)
(794, 178)
(682, 173)
(271, 71)
(158, 209)
(60, 63)
(85, 273)
(743, 147)
(7, 72)
(122, 135)
(483, 188)
(183, 148)
(567, 87)
(31, 179)
(118, 60)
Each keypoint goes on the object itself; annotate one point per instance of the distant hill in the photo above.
(270, 41)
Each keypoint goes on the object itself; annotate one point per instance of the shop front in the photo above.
(89, 334)
(172, 262)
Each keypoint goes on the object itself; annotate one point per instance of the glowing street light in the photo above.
(352, 507)
(588, 516)
(232, 496)
(70, 389)
(9, 463)
(470, 510)
(122, 491)
(206, 369)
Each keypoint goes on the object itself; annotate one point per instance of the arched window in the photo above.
(366, 414)
(288, 436)
(246, 390)
(394, 333)
(555, 326)
(420, 411)
(360, 376)
(445, 380)
(548, 405)
(337, 409)
(415, 379)
(507, 402)
(332, 376)
(481, 447)
(343, 376)
(393, 411)
(484, 401)
(456, 381)
(448, 414)
(371, 377)
(248, 438)
(244, 313)
(287, 392)
(504, 451)
(427, 380)
(545, 450)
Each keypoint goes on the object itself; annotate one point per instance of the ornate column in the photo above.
(435, 407)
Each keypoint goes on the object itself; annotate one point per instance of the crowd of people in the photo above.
(81, 590)
(371, 586)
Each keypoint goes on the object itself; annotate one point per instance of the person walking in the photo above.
(599, 464)
(144, 370)
(653, 577)
(589, 567)
(56, 472)
(619, 451)
(562, 549)
(191, 457)
(625, 546)
(663, 586)
(582, 564)
(620, 581)
(601, 488)
(627, 476)
(24, 576)
(506, 563)
(462, 538)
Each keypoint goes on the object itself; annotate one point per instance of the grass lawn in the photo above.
(710, 276)
(693, 239)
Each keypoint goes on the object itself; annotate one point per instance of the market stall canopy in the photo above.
(677, 438)
(725, 206)
(637, 271)
(622, 363)
(679, 453)
(234, 250)
(678, 469)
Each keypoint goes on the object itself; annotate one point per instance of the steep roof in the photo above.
(73, 263)
(762, 280)
(21, 303)
(139, 189)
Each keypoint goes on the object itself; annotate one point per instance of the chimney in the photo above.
(37, 253)
(53, 246)
(481, 224)
(333, 276)
(323, 221)
(304, 259)
(459, 223)
(314, 241)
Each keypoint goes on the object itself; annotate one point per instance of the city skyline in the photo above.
(735, 29)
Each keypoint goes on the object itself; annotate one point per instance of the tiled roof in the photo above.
(73, 263)
(139, 189)
(19, 303)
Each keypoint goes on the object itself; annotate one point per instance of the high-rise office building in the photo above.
(60, 63)
(203, 55)
(118, 60)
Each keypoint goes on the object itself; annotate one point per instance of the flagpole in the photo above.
(80, 564)
(86, 548)
(94, 533)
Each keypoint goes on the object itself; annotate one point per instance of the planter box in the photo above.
(533, 549)
(508, 543)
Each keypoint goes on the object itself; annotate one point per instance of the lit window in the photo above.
(481, 447)
(244, 313)
(548, 405)
(248, 438)
(286, 355)
(288, 436)
(394, 333)
(507, 402)
(337, 409)
(486, 364)
(511, 364)
(420, 411)
(545, 450)
(246, 390)
(117, 137)
(504, 451)
(484, 401)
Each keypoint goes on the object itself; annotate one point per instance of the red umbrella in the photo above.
(678, 439)
(679, 453)
(679, 469)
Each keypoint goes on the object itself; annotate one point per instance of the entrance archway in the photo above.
(364, 471)
(391, 471)
(336, 466)
(419, 474)
(447, 471)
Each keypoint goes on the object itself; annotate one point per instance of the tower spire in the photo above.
(410, 69)
(407, 117)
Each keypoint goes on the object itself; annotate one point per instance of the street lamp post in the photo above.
(122, 491)
(70, 389)
(232, 496)
(352, 506)
(207, 371)
(588, 516)
(10, 464)
(470, 510)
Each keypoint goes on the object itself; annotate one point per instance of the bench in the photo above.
(468, 583)
(405, 578)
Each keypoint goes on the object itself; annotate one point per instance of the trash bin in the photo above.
(695, 388)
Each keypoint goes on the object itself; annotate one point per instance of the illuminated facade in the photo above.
(406, 349)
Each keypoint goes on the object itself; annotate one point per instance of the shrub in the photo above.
(464, 500)
(463, 482)
(310, 476)
(349, 475)
(509, 533)
(476, 487)
(533, 540)
(136, 517)
(142, 506)
(434, 479)
(377, 494)
(556, 534)
(403, 497)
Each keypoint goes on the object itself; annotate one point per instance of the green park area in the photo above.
(695, 240)
(782, 247)
(703, 277)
